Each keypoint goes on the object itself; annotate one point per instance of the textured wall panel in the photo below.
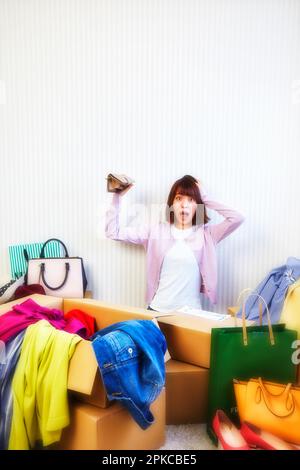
(156, 89)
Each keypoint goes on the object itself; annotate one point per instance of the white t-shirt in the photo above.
(180, 276)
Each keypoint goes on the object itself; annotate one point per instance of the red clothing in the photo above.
(84, 318)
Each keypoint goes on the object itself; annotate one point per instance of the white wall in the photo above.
(155, 89)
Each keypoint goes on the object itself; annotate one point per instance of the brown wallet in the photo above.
(117, 182)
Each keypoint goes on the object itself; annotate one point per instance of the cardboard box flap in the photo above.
(193, 322)
(44, 300)
(83, 368)
(107, 313)
(189, 337)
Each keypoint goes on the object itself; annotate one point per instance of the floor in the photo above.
(187, 437)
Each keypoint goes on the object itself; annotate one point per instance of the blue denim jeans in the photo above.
(130, 355)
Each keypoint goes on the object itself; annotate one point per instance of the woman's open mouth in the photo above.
(184, 213)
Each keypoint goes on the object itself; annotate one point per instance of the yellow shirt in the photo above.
(39, 387)
(291, 308)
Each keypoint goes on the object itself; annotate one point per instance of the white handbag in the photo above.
(60, 277)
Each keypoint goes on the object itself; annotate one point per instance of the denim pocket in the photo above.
(125, 347)
(127, 352)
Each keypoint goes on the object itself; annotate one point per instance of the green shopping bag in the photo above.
(244, 353)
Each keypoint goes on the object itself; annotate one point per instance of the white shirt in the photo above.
(179, 283)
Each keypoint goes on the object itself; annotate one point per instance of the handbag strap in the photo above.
(245, 336)
(286, 396)
(42, 254)
(64, 281)
(238, 301)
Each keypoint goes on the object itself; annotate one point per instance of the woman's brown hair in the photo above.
(187, 186)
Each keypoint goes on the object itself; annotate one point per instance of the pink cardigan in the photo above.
(157, 239)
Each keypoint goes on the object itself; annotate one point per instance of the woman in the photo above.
(181, 252)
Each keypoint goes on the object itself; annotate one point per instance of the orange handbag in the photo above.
(271, 406)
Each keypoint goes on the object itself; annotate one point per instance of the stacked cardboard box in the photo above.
(97, 423)
(96, 428)
(186, 393)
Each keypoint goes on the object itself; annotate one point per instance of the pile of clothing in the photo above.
(273, 288)
(37, 344)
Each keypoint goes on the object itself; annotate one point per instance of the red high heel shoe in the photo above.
(229, 436)
(259, 438)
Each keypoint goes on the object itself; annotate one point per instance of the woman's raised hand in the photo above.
(200, 185)
(202, 189)
(125, 190)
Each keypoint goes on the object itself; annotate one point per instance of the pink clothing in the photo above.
(157, 239)
(28, 312)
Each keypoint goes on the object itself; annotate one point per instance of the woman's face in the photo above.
(184, 209)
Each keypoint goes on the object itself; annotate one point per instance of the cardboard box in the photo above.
(113, 428)
(85, 383)
(188, 336)
(97, 396)
(45, 300)
(186, 393)
(106, 313)
(83, 368)
(84, 376)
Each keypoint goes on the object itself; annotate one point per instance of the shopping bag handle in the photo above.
(285, 397)
(238, 303)
(245, 336)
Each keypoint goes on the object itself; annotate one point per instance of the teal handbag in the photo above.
(244, 353)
